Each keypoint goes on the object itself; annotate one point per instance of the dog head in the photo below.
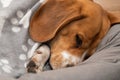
(73, 27)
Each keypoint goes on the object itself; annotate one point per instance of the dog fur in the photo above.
(72, 27)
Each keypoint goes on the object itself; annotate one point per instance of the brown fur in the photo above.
(59, 21)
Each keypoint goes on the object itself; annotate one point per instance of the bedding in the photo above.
(15, 44)
(104, 64)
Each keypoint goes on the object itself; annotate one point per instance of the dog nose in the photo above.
(31, 64)
(31, 67)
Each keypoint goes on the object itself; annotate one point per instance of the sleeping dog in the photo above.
(72, 28)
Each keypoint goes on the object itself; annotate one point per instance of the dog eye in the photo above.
(78, 41)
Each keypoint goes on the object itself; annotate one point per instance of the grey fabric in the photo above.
(14, 38)
(6, 77)
(15, 44)
(103, 65)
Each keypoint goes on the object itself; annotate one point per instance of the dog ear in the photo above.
(51, 17)
(114, 17)
(109, 19)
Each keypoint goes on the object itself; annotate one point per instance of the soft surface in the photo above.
(15, 44)
(14, 39)
(103, 65)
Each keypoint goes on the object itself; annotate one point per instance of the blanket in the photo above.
(16, 44)
(15, 41)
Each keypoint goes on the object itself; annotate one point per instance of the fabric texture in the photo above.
(103, 65)
(14, 38)
(15, 44)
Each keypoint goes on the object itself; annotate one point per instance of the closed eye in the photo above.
(78, 41)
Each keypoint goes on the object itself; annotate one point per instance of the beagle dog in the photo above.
(72, 28)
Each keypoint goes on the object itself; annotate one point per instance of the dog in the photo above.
(72, 28)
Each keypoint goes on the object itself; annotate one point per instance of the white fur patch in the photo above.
(69, 58)
(32, 50)
(65, 54)
(45, 53)
(41, 55)
(44, 49)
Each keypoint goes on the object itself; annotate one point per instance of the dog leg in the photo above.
(38, 60)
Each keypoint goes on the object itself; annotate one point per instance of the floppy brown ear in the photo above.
(109, 19)
(52, 16)
(114, 17)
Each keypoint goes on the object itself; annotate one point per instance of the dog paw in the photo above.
(38, 60)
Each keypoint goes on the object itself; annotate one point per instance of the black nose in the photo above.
(31, 64)
(31, 67)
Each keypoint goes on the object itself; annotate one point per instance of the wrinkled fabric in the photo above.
(15, 44)
(14, 38)
(104, 64)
